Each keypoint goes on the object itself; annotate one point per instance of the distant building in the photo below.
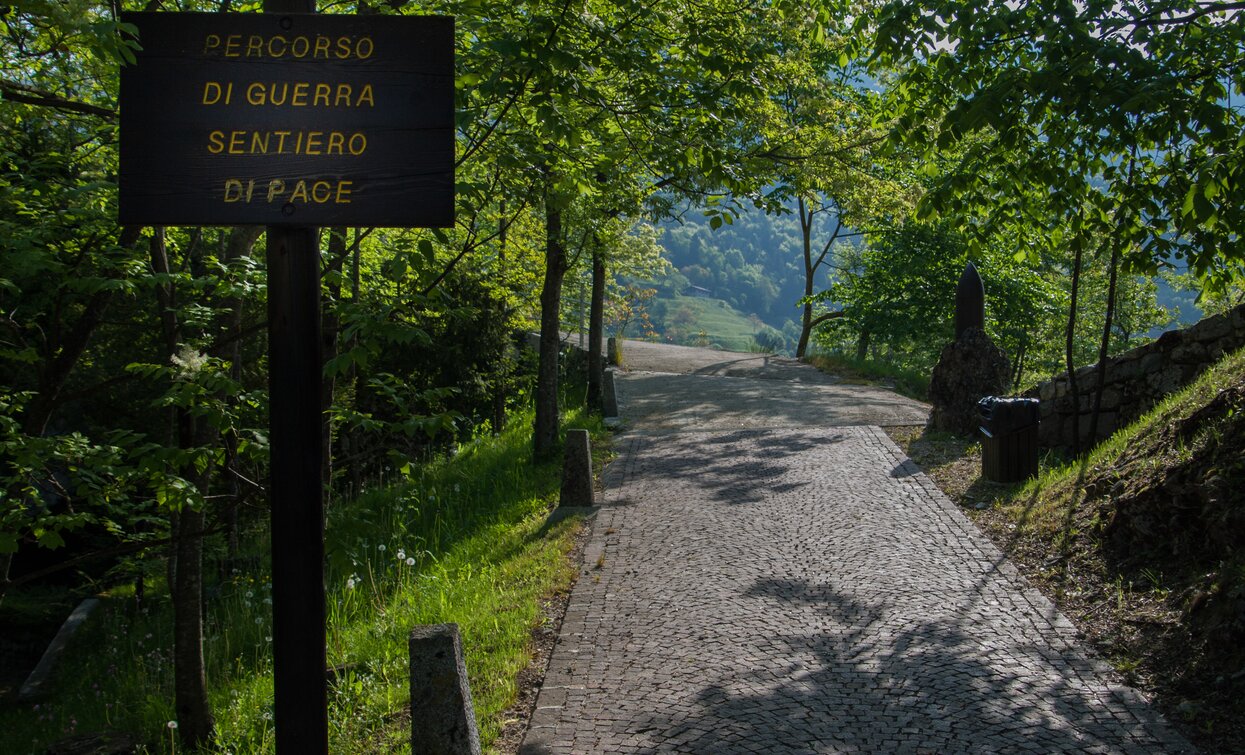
(698, 292)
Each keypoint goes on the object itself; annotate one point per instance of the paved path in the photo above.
(808, 590)
(678, 388)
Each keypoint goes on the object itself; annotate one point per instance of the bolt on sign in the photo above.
(288, 119)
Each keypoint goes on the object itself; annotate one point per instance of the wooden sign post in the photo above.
(290, 120)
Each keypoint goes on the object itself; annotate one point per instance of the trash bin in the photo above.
(1009, 438)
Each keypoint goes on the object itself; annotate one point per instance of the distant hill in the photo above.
(709, 322)
(753, 264)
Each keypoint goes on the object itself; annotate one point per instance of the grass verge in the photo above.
(461, 540)
(912, 383)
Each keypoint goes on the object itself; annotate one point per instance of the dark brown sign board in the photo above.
(288, 119)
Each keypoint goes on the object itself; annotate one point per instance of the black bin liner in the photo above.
(1009, 438)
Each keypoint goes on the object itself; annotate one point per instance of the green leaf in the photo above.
(430, 254)
(50, 539)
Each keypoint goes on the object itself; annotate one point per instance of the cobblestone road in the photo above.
(805, 591)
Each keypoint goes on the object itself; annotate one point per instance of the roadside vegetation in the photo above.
(463, 539)
(1140, 544)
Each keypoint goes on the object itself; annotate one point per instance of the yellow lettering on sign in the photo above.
(214, 93)
(321, 97)
(336, 140)
(243, 142)
(344, 189)
(307, 191)
(299, 98)
(306, 94)
(313, 146)
(318, 47)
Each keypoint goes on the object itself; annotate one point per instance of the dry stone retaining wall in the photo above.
(1136, 380)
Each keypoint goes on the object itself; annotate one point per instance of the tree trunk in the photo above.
(502, 374)
(194, 711)
(1021, 353)
(862, 346)
(1070, 358)
(240, 244)
(545, 427)
(329, 326)
(1104, 347)
(806, 317)
(596, 326)
(353, 376)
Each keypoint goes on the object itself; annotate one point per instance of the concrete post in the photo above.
(37, 685)
(443, 721)
(610, 396)
(576, 470)
(611, 352)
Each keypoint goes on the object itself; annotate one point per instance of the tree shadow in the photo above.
(718, 463)
(877, 679)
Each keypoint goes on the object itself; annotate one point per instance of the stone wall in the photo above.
(1136, 380)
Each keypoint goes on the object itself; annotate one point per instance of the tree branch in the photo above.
(31, 96)
(825, 317)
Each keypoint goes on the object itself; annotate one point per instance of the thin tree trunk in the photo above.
(499, 385)
(240, 244)
(806, 316)
(862, 346)
(1021, 353)
(545, 426)
(194, 711)
(1069, 357)
(596, 325)
(1104, 346)
(352, 373)
(329, 326)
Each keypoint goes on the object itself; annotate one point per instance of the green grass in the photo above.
(461, 540)
(1043, 503)
(904, 381)
(721, 324)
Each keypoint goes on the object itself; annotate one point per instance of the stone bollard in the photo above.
(37, 685)
(611, 352)
(610, 399)
(576, 470)
(970, 302)
(443, 721)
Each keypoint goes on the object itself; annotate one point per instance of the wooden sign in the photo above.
(288, 119)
